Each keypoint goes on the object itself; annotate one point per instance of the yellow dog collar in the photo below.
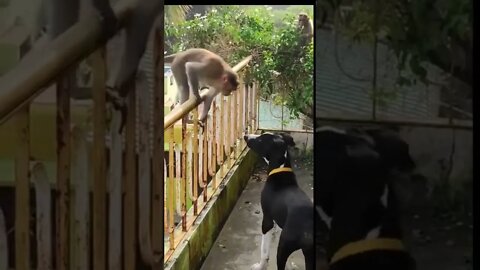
(367, 245)
(277, 170)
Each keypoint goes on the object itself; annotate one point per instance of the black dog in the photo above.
(353, 196)
(283, 202)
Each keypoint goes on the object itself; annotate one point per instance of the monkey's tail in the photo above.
(169, 58)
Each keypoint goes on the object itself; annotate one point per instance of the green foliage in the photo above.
(417, 31)
(280, 65)
(176, 14)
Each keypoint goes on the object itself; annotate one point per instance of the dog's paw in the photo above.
(257, 266)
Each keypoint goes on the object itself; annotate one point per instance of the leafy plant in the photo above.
(282, 68)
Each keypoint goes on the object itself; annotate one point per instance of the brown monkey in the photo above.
(195, 68)
(305, 26)
(62, 14)
(137, 32)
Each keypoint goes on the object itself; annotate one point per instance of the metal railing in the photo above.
(198, 160)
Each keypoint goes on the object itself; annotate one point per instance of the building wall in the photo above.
(338, 94)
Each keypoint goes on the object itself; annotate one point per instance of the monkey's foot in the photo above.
(113, 97)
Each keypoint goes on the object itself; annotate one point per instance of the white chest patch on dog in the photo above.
(266, 160)
(375, 232)
(283, 165)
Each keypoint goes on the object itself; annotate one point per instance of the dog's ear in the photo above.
(288, 139)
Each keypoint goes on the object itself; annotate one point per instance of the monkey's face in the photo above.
(302, 19)
(229, 83)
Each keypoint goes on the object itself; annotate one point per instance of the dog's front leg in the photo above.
(267, 235)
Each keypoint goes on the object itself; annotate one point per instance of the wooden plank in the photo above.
(80, 176)
(99, 161)
(43, 216)
(130, 178)
(22, 192)
(63, 171)
(3, 243)
(115, 192)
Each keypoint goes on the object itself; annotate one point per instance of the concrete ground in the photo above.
(238, 245)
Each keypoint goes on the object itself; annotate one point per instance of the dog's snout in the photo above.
(245, 137)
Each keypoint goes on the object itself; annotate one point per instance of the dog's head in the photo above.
(346, 166)
(338, 150)
(272, 147)
(393, 149)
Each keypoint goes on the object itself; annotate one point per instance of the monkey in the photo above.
(62, 14)
(137, 30)
(198, 68)
(305, 27)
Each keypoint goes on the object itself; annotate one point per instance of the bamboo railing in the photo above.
(199, 159)
(108, 188)
(76, 235)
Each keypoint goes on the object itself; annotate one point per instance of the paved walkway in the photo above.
(238, 245)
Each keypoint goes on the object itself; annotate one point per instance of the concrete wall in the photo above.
(432, 149)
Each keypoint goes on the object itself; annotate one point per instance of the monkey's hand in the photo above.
(202, 123)
(109, 22)
(118, 103)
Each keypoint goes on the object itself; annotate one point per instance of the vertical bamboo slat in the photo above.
(213, 161)
(158, 151)
(43, 216)
(63, 171)
(115, 194)
(99, 161)
(3, 243)
(81, 204)
(171, 188)
(195, 161)
(22, 196)
(183, 188)
(130, 184)
(221, 133)
(205, 163)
